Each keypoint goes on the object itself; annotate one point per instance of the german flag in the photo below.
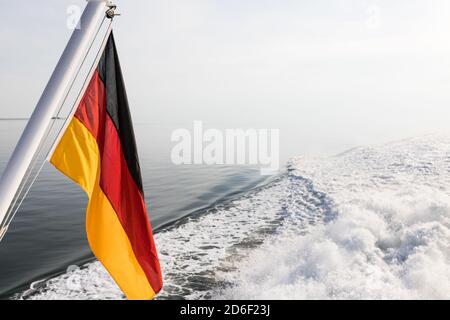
(98, 152)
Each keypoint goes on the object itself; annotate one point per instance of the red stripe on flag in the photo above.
(126, 199)
(92, 107)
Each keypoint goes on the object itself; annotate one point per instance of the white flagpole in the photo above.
(48, 104)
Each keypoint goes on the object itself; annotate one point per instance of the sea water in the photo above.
(369, 223)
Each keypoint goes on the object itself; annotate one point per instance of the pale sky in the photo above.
(329, 74)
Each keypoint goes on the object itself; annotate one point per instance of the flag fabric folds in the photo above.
(98, 152)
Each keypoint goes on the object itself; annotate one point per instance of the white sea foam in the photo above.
(390, 237)
(369, 223)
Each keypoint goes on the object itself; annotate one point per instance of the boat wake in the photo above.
(371, 223)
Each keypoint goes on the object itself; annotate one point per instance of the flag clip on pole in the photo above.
(48, 104)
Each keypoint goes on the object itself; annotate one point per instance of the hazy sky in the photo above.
(329, 74)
